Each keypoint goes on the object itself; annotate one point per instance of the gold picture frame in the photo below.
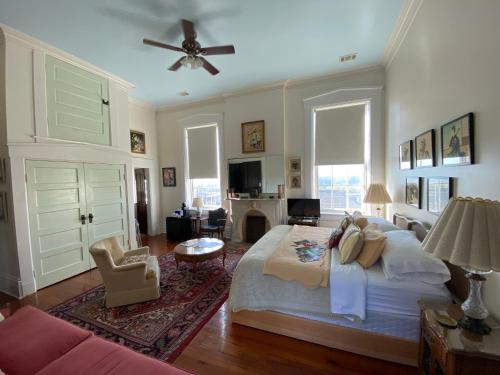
(253, 137)
(137, 142)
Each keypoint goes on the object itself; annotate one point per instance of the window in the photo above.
(202, 165)
(340, 187)
(206, 188)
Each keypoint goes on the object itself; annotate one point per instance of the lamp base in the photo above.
(474, 325)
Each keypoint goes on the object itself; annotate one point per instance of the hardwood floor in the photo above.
(223, 348)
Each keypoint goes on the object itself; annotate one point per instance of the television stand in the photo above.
(303, 220)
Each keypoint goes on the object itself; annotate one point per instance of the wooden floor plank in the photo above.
(223, 348)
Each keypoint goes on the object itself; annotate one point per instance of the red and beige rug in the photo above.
(164, 327)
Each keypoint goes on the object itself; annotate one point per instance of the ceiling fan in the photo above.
(193, 50)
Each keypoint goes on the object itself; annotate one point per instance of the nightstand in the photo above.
(454, 351)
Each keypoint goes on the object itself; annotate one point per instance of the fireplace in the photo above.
(272, 210)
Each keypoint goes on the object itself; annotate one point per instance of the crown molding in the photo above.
(142, 104)
(268, 87)
(24, 39)
(406, 17)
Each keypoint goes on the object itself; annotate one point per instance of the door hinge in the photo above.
(26, 177)
(34, 274)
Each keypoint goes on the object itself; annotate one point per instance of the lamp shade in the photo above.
(467, 234)
(377, 194)
(197, 203)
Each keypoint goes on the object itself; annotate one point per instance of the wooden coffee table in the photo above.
(199, 250)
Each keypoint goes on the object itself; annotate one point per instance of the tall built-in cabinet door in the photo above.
(106, 202)
(77, 103)
(56, 200)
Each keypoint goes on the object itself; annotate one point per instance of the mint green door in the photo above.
(56, 200)
(107, 203)
(76, 108)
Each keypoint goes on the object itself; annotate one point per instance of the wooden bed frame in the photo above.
(375, 345)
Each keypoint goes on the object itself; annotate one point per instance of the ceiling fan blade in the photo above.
(209, 67)
(188, 28)
(176, 65)
(162, 45)
(219, 50)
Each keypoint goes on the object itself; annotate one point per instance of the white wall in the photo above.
(282, 109)
(448, 66)
(142, 117)
(295, 95)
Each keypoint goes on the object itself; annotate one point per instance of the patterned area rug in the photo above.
(164, 327)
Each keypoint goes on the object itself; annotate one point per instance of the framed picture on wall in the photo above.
(169, 178)
(457, 141)
(137, 142)
(425, 149)
(295, 181)
(414, 191)
(294, 165)
(253, 137)
(439, 192)
(406, 155)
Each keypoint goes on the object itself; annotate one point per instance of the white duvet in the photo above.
(352, 292)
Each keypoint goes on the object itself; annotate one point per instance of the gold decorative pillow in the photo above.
(373, 246)
(351, 243)
(360, 220)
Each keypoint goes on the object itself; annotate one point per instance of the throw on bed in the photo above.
(302, 256)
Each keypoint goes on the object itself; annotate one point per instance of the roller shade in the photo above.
(202, 152)
(340, 135)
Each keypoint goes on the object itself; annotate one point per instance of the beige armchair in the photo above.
(129, 277)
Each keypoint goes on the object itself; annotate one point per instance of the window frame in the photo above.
(197, 121)
(341, 211)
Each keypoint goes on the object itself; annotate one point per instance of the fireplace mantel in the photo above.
(272, 209)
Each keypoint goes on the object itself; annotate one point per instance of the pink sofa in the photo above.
(34, 342)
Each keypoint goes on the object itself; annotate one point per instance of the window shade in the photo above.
(340, 136)
(202, 152)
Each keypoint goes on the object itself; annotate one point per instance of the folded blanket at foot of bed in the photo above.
(303, 256)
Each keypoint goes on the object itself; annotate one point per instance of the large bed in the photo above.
(390, 329)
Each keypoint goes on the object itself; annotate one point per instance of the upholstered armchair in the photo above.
(216, 223)
(129, 277)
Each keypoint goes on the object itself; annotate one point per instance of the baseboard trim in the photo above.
(11, 285)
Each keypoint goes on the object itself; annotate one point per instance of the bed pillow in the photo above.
(335, 237)
(383, 224)
(404, 259)
(373, 246)
(350, 244)
(360, 220)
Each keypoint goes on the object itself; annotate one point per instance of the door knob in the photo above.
(91, 218)
(82, 219)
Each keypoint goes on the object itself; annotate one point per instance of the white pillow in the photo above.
(383, 225)
(404, 259)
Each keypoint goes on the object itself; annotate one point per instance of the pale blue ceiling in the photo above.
(274, 39)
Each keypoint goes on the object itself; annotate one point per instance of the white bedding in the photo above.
(251, 290)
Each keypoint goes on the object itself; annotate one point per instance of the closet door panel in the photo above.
(107, 202)
(56, 200)
(76, 108)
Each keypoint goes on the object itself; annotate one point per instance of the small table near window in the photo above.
(196, 224)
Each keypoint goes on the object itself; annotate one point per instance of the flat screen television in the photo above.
(304, 207)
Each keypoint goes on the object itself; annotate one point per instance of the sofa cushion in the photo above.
(97, 356)
(31, 339)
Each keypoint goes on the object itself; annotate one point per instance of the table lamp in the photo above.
(377, 194)
(198, 204)
(467, 234)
